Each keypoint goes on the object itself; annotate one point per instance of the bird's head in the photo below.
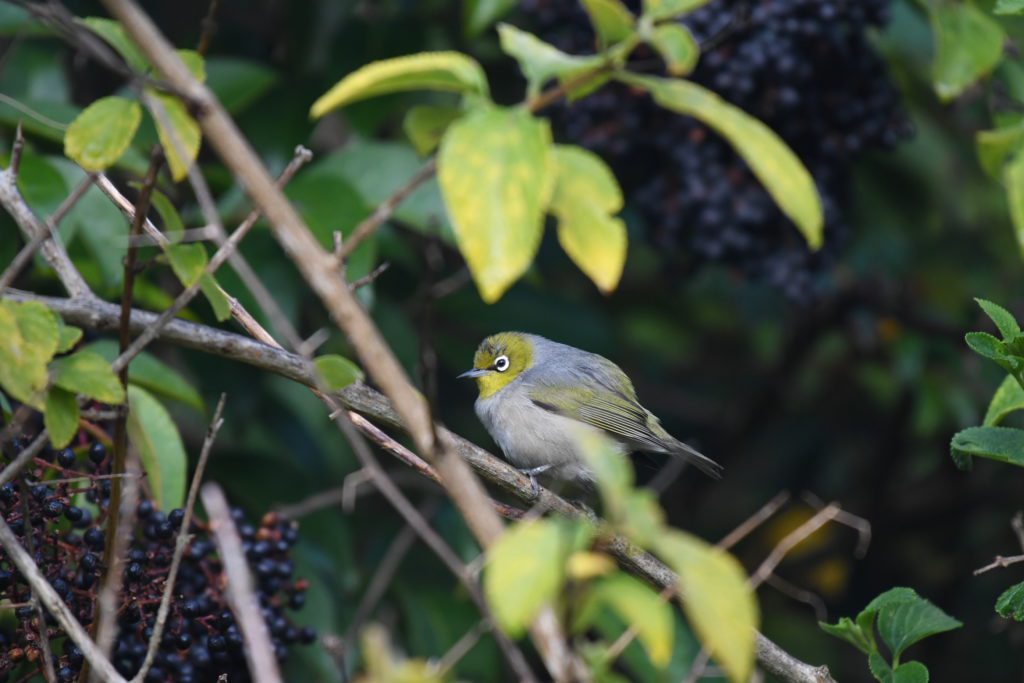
(500, 359)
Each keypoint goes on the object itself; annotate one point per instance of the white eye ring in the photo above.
(501, 363)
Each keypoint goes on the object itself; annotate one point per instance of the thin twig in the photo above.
(800, 595)
(13, 468)
(370, 277)
(699, 666)
(209, 26)
(44, 630)
(385, 209)
(754, 521)
(790, 541)
(461, 647)
(259, 653)
(16, 150)
(855, 522)
(181, 542)
(999, 562)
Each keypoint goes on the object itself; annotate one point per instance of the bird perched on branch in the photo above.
(537, 396)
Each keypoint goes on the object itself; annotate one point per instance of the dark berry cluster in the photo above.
(62, 499)
(804, 67)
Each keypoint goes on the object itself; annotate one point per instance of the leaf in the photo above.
(173, 227)
(68, 336)
(611, 20)
(181, 131)
(215, 295)
(1010, 604)
(775, 165)
(194, 62)
(643, 520)
(525, 570)
(61, 416)
(425, 124)
(238, 83)
(39, 327)
(585, 564)
(1013, 181)
(984, 344)
(479, 15)
(1007, 398)
(994, 147)
(1004, 320)
(642, 609)
(1009, 7)
(152, 374)
(968, 45)
(669, 9)
(995, 443)
(444, 71)
(102, 132)
(539, 61)
(614, 473)
(676, 45)
(188, 261)
(880, 668)
(30, 335)
(910, 672)
(846, 629)
(717, 600)
(903, 622)
(337, 371)
(161, 451)
(495, 172)
(585, 197)
(112, 32)
(89, 374)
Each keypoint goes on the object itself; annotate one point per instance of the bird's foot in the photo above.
(532, 473)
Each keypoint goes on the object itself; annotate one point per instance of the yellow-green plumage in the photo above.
(536, 395)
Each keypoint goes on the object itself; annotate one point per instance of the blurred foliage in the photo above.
(853, 397)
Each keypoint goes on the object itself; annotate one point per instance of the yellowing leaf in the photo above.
(425, 125)
(667, 9)
(539, 61)
(968, 45)
(156, 437)
(642, 609)
(88, 373)
(587, 564)
(98, 136)
(61, 416)
(677, 47)
(39, 327)
(22, 373)
(445, 71)
(995, 147)
(611, 20)
(69, 336)
(495, 172)
(179, 131)
(772, 161)
(525, 570)
(717, 599)
(337, 371)
(585, 195)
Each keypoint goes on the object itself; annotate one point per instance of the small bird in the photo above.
(536, 395)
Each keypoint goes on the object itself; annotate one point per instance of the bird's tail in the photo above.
(695, 458)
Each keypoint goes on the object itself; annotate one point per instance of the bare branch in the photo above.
(790, 541)
(11, 470)
(999, 562)
(259, 652)
(383, 212)
(44, 631)
(754, 521)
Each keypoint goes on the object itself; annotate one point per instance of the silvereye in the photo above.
(536, 396)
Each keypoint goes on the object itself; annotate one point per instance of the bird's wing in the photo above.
(597, 393)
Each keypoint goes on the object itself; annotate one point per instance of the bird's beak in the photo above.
(472, 373)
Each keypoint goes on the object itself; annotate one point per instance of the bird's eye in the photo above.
(501, 363)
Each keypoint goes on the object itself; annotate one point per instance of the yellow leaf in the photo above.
(587, 565)
(98, 136)
(717, 599)
(642, 609)
(181, 132)
(445, 71)
(586, 192)
(495, 172)
(677, 47)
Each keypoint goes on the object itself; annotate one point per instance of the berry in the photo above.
(97, 453)
(94, 538)
(66, 458)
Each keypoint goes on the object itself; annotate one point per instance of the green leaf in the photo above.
(112, 32)
(984, 344)
(152, 374)
(1013, 181)
(995, 443)
(846, 629)
(611, 20)
(907, 620)
(102, 132)
(642, 609)
(994, 147)
(775, 165)
(1004, 320)
(215, 295)
(337, 371)
(525, 571)
(30, 336)
(444, 71)
(614, 473)
(1009, 7)
(161, 451)
(61, 416)
(968, 45)
(676, 45)
(717, 599)
(479, 15)
(181, 131)
(910, 672)
(1010, 604)
(495, 171)
(173, 227)
(585, 197)
(39, 327)
(425, 125)
(539, 61)
(188, 261)
(88, 373)
(69, 336)
(668, 9)
(1008, 398)
(238, 83)
(880, 668)
(194, 62)
(643, 520)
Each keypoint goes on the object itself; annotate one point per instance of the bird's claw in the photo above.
(532, 473)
